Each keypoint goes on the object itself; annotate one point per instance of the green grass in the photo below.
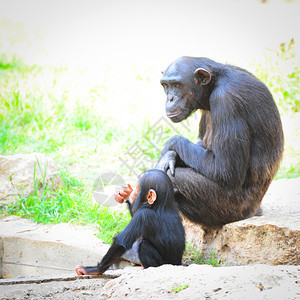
(179, 288)
(194, 256)
(110, 224)
(280, 71)
(291, 171)
(72, 203)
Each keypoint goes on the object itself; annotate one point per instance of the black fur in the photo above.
(224, 177)
(158, 227)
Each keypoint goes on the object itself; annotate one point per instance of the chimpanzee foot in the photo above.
(80, 270)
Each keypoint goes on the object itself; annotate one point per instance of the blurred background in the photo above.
(79, 80)
(97, 33)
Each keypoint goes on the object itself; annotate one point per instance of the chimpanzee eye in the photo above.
(164, 85)
(177, 85)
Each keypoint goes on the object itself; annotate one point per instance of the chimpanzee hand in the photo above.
(124, 195)
(167, 162)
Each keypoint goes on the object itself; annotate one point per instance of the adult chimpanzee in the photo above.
(224, 177)
(155, 223)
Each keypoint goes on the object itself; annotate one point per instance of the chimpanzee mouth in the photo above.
(175, 114)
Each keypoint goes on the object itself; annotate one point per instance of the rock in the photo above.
(273, 238)
(20, 173)
(61, 247)
(206, 282)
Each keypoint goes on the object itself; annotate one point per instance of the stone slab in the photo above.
(19, 174)
(273, 238)
(31, 249)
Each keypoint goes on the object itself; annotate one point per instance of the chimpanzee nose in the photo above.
(170, 98)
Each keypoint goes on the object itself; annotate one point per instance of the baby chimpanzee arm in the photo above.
(133, 230)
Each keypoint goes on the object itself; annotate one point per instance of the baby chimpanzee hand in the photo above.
(123, 195)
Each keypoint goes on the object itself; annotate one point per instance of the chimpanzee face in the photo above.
(135, 192)
(182, 84)
(179, 99)
(180, 94)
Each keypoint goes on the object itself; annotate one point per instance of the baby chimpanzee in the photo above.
(155, 224)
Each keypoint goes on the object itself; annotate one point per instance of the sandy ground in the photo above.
(169, 282)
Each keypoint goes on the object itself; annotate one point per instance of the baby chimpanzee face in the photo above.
(135, 192)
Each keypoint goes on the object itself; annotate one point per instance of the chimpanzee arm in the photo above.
(133, 230)
(228, 157)
(169, 158)
(129, 204)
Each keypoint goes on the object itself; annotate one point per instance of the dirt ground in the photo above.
(65, 288)
(167, 282)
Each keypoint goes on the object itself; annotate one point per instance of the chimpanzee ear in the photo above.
(202, 76)
(151, 196)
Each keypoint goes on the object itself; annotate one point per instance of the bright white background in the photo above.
(92, 33)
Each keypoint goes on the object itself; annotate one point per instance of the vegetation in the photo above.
(280, 71)
(194, 256)
(179, 288)
(78, 119)
(71, 204)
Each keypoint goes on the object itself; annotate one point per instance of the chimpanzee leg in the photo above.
(208, 203)
(132, 254)
(113, 254)
(149, 256)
